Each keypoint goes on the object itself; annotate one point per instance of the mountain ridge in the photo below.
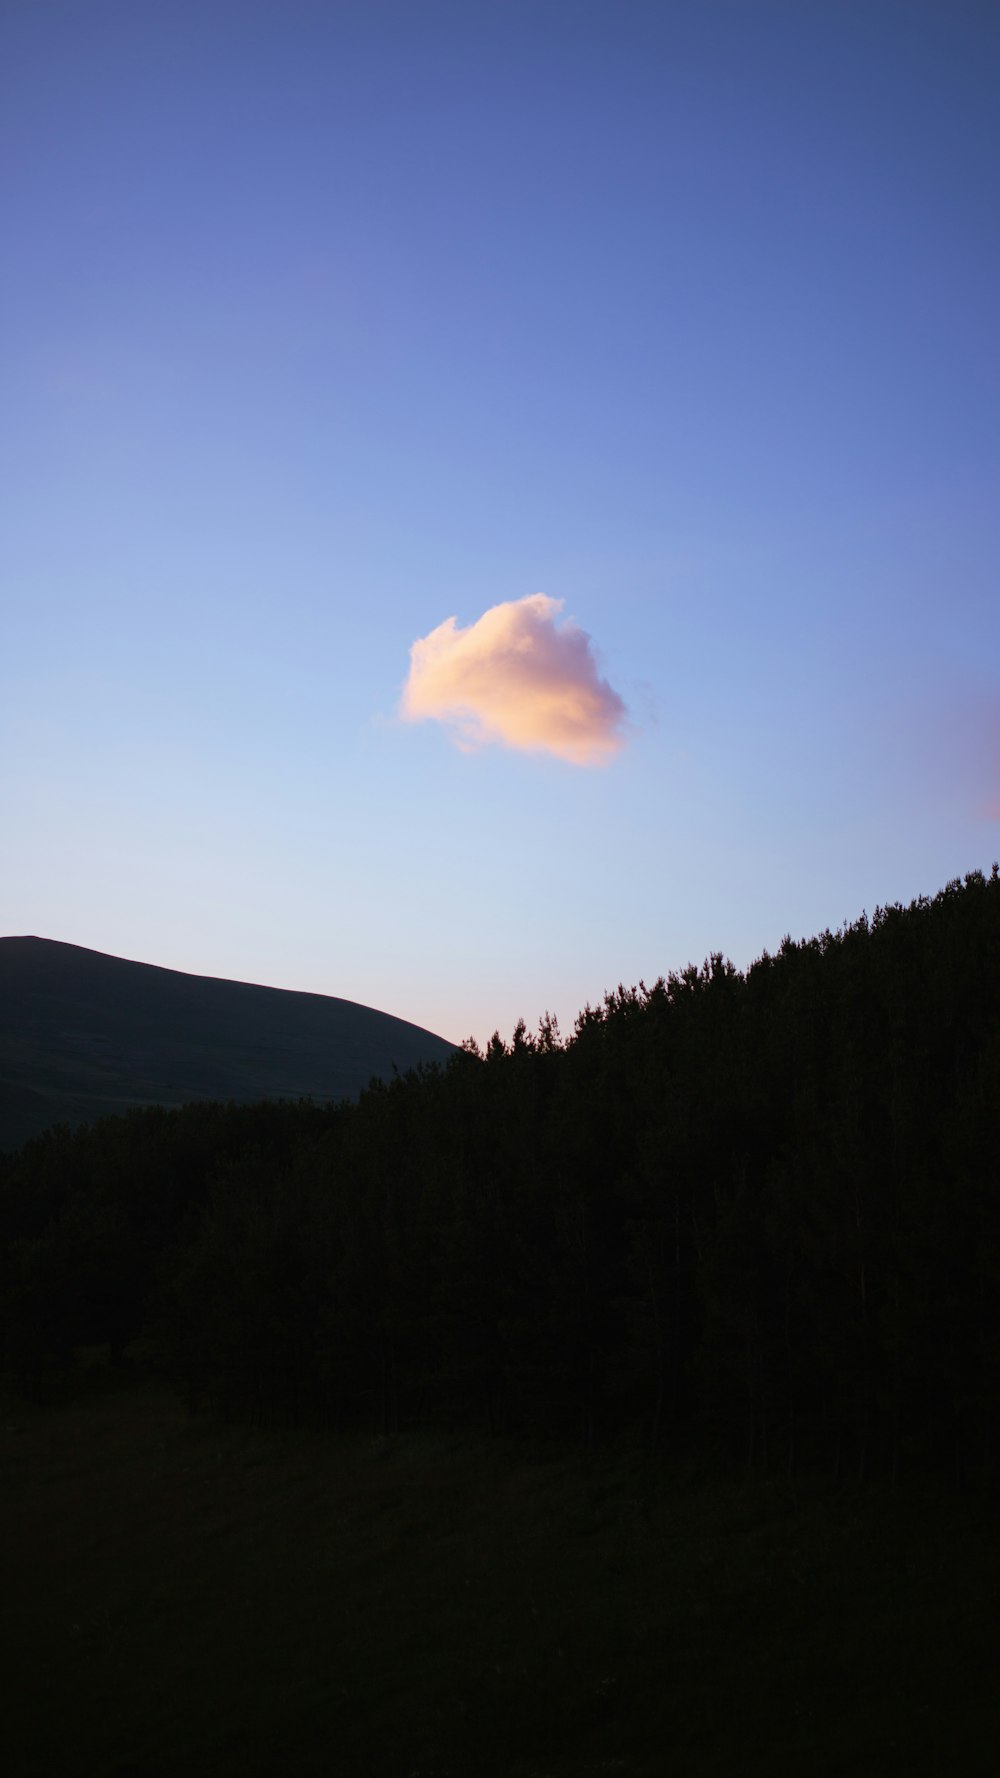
(85, 1033)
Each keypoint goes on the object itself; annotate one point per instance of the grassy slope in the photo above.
(188, 1597)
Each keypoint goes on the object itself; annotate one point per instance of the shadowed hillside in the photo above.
(749, 1218)
(628, 1403)
(83, 1035)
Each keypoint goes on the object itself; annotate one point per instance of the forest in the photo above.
(747, 1218)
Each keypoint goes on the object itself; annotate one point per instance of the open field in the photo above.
(184, 1596)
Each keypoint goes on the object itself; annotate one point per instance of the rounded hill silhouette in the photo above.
(83, 1034)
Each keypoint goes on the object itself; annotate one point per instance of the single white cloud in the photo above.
(518, 677)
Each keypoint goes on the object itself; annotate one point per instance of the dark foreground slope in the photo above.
(185, 1596)
(83, 1035)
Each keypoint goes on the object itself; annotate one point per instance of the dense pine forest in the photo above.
(751, 1219)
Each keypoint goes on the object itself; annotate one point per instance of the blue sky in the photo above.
(322, 324)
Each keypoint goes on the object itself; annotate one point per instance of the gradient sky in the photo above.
(321, 324)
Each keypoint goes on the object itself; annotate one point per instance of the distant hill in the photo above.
(83, 1034)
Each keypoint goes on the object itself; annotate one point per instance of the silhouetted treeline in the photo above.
(756, 1216)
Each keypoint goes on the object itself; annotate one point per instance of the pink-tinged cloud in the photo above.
(517, 677)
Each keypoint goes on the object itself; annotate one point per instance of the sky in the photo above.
(496, 500)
